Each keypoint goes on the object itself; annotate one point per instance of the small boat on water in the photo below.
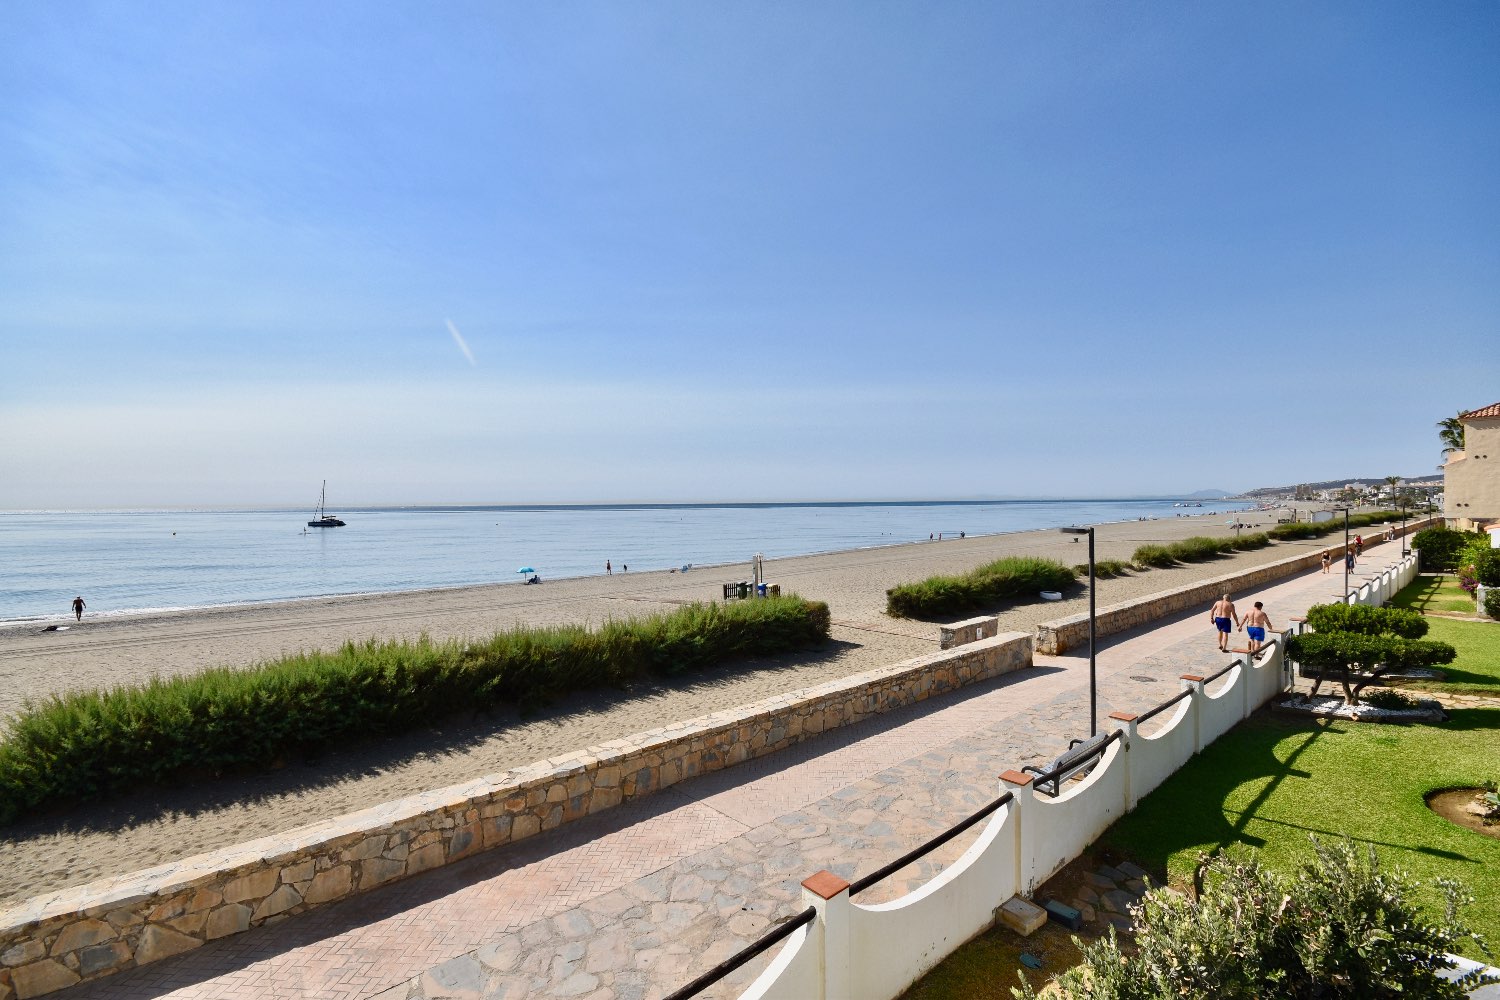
(323, 519)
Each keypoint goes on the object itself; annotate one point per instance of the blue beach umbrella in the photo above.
(525, 569)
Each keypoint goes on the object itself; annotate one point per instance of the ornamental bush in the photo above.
(1341, 928)
(1374, 641)
(89, 744)
(1440, 547)
(984, 587)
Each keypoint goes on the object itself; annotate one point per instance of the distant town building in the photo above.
(1471, 478)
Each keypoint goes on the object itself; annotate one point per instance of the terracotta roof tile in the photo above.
(1493, 410)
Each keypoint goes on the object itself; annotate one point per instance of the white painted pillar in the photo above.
(829, 895)
(1194, 683)
(1018, 783)
(1124, 722)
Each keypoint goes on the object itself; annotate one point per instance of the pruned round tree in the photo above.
(1361, 644)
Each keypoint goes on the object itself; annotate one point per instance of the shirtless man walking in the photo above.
(1255, 624)
(1221, 614)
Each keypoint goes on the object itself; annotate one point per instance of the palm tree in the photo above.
(1451, 433)
(1391, 481)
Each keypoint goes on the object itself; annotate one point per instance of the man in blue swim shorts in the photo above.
(1256, 623)
(1221, 614)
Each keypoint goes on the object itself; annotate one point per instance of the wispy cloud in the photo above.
(458, 339)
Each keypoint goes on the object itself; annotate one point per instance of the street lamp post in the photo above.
(1093, 684)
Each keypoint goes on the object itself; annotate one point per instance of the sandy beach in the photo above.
(155, 825)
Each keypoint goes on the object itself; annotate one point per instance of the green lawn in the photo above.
(1477, 669)
(1434, 593)
(1274, 780)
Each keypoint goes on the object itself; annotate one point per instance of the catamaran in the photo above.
(323, 519)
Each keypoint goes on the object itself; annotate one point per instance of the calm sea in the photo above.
(131, 561)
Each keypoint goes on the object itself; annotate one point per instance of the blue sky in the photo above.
(738, 251)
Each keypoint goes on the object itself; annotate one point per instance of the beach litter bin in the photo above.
(775, 590)
(744, 589)
(760, 590)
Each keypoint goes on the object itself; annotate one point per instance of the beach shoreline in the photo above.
(152, 826)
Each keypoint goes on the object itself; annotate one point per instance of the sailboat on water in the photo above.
(323, 519)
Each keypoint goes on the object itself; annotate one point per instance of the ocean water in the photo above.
(124, 562)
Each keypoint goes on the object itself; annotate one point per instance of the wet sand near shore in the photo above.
(158, 825)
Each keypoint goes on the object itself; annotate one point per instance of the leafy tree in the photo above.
(1350, 638)
(1341, 928)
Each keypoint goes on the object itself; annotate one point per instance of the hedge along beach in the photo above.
(159, 825)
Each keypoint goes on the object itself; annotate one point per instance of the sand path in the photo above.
(157, 825)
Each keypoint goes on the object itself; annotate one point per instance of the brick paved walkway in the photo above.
(634, 902)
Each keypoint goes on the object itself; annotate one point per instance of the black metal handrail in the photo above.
(880, 873)
(1054, 775)
(744, 955)
(1153, 713)
(1215, 676)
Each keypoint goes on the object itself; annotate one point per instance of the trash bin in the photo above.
(744, 589)
(760, 590)
(775, 590)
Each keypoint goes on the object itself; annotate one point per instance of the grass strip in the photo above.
(979, 589)
(87, 745)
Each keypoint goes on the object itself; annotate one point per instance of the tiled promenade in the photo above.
(636, 901)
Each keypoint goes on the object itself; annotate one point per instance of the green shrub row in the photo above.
(978, 589)
(1197, 549)
(90, 744)
(1304, 529)
(1104, 569)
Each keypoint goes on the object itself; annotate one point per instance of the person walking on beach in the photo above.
(608, 570)
(1327, 560)
(78, 607)
(1255, 625)
(1221, 614)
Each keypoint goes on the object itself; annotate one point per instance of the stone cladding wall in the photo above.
(967, 631)
(90, 931)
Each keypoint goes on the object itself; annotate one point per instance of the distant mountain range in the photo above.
(1338, 484)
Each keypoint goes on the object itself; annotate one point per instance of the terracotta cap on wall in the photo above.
(1123, 716)
(824, 884)
(1192, 677)
(1016, 778)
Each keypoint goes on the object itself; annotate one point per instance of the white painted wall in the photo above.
(893, 944)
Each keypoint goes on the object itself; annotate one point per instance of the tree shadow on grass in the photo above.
(1188, 812)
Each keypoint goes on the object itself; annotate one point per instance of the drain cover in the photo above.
(1143, 678)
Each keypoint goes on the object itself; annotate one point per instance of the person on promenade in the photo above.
(1221, 614)
(78, 607)
(1349, 560)
(1359, 545)
(608, 569)
(1255, 625)
(1327, 560)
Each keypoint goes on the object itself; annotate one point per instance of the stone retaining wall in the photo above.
(967, 631)
(87, 932)
(1056, 637)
